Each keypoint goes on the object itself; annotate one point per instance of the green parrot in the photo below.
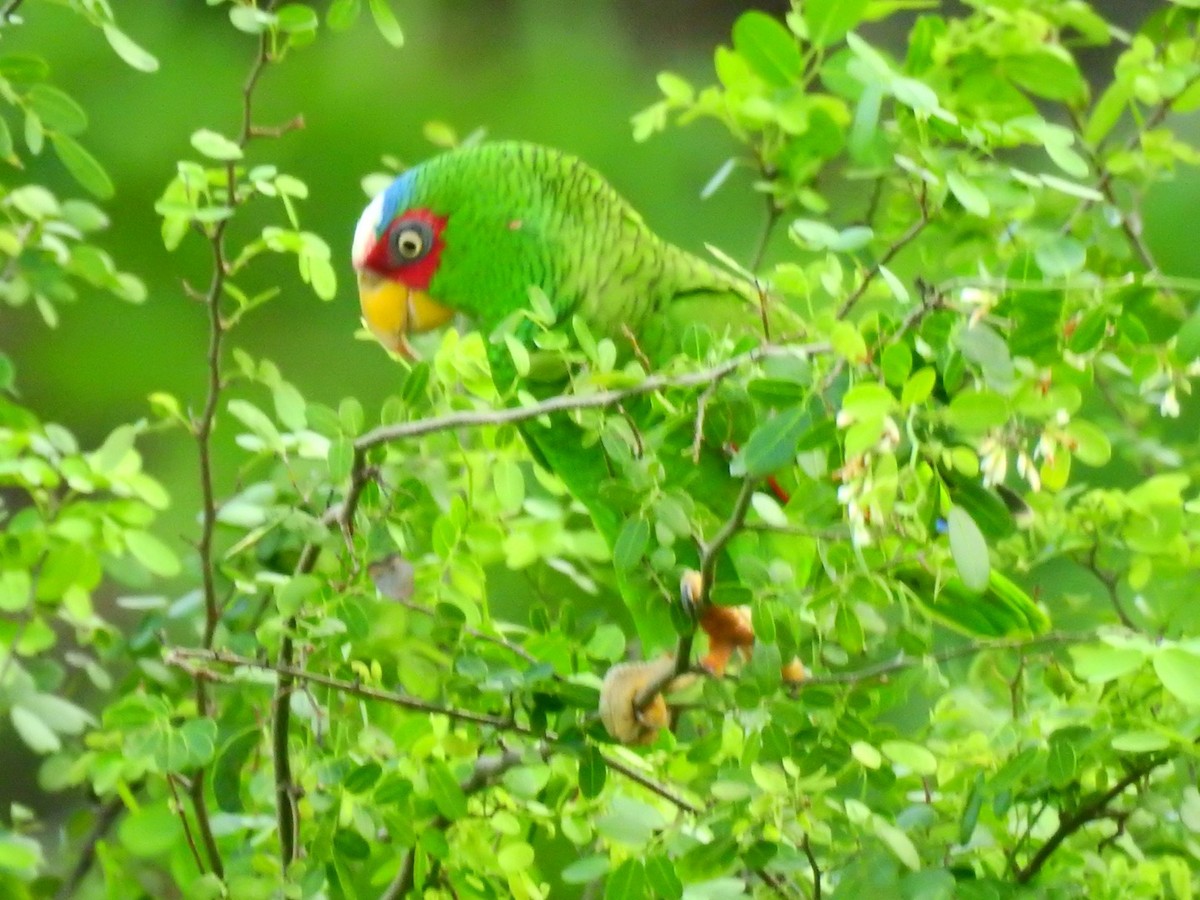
(471, 231)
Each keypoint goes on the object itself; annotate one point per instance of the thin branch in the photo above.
(184, 657)
(187, 828)
(106, 816)
(565, 402)
(806, 846)
(896, 246)
(1096, 808)
(1110, 582)
(651, 785)
(882, 670)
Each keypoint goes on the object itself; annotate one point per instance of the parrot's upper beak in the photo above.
(393, 311)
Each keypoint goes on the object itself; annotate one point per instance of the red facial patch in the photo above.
(416, 273)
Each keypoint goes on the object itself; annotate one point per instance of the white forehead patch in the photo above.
(365, 231)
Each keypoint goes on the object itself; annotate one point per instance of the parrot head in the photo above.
(397, 251)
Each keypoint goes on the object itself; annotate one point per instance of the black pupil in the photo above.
(411, 242)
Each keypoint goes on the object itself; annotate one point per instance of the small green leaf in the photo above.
(57, 109)
(227, 770)
(912, 756)
(83, 167)
(866, 754)
(769, 48)
(1059, 255)
(1100, 662)
(772, 445)
(631, 543)
(969, 548)
(30, 727)
(1089, 443)
(152, 553)
(216, 146)
(509, 485)
(662, 877)
(385, 21)
(1140, 742)
(829, 20)
(1179, 672)
(447, 795)
(589, 868)
(515, 857)
(971, 197)
(898, 842)
(150, 830)
(592, 772)
(628, 881)
(343, 14)
(129, 50)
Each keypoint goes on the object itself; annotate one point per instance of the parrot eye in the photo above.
(411, 241)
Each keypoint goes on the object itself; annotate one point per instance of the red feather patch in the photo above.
(419, 272)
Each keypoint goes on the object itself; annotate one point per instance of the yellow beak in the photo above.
(393, 311)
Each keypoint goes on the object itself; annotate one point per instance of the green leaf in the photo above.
(662, 878)
(772, 445)
(6, 141)
(509, 485)
(989, 351)
(129, 50)
(34, 731)
(769, 48)
(975, 412)
(83, 167)
(912, 756)
(151, 830)
(152, 553)
(515, 857)
(1140, 742)
(969, 548)
(829, 20)
(1089, 443)
(589, 868)
(227, 770)
(630, 822)
(1059, 255)
(1100, 662)
(447, 795)
(592, 772)
(866, 754)
(628, 882)
(973, 200)
(898, 842)
(343, 14)
(631, 543)
(57, 109)
(385, 21)
(215, 146)
(1179, 672)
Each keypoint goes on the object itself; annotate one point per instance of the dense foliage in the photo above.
(377, 669)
